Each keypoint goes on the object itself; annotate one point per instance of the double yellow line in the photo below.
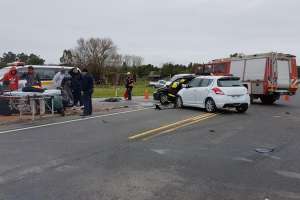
(171, 127)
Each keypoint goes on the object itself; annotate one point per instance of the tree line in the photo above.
(101, 57)
(30, 59)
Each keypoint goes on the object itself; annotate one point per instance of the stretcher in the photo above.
(32, 102)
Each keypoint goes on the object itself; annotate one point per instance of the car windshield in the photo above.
(229, 82)
(174, 78)
(3, 72)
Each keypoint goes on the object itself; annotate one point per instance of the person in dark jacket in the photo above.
(129, 85)
(76, 85)
(87, 87)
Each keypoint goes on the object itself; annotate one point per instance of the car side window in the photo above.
(195, 82)
(22, 73)
(205, 82)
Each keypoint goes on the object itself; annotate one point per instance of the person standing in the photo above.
(58, 78)
(32, 78)
(11, 79)
(76, 86)
(129, 85)
(87, 87)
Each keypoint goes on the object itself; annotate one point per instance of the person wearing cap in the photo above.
(11, 79)
(129, 85)
(58, 78)
(32, 78)
(87, 87)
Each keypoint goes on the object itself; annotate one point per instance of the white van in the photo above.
(46, 73)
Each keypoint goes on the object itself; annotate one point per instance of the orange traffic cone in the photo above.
(146, 94)
(286, 98)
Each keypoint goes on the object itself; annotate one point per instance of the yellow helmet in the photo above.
(175, 85)
(182, 80)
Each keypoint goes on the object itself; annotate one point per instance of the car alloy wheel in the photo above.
(210, 106)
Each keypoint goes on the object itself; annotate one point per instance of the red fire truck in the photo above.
(267, 76)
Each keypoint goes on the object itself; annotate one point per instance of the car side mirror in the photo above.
(186, 86)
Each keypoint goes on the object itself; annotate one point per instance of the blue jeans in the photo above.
(87, 103)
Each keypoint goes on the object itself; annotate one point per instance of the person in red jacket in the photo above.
(11, 79)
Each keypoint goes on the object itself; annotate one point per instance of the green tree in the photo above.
(170, 69)
(11, 57)
(35, 60)
(22, 57)
(8, 57)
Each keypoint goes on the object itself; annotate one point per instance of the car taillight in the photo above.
(217, 91)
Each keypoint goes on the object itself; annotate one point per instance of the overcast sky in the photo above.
(179, 31)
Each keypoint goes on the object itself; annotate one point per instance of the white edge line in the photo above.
(70, 121)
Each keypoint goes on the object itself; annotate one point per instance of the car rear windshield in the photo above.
(229, 82)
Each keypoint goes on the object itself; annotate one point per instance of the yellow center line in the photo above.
(169, 126)
(177, 127)
(146, 133)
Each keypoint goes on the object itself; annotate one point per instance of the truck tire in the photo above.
(251, 99)
(268, 99)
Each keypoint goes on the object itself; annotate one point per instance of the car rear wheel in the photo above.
(242, 108)
(179, 102)
(210, 106)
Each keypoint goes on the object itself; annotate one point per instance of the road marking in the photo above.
(171, 127)
(178, 127)
(243, 159)
(288, 174)
(71, 121)
(146, 133)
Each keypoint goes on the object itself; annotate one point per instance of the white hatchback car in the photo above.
(214, 92)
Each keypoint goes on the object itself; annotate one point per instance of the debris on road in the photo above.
(264, 150)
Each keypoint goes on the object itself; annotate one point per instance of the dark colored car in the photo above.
(170, 90)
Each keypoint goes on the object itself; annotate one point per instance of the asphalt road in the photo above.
(148, 155)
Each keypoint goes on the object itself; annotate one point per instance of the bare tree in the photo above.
(133, 60)
(137, 60)
(94, 53)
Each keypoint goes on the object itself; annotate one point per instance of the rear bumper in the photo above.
(222, 101)
(234, 105)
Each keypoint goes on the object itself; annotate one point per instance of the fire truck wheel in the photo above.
(268, 99)
(251, 99)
